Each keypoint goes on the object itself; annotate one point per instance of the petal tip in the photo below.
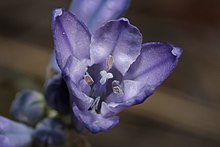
(176, 51)
(58, 12)
(124, 19)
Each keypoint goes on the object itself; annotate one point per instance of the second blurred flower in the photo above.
(95, 13)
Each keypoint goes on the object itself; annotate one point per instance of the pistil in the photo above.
(105, 76)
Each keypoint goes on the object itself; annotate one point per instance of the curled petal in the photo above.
(95, 122)
(95, 13)
(155, 63)
(74, 69)
(133, 93)
(153, 66)
(27, 103)
(13, 134)
(70, 36)
(92, 121)
(77, 96)
(119, 39)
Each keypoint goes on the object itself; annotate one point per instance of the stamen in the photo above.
(109, 62)
(96, 104)
(105, 76)
(116, 87)
(88, 79)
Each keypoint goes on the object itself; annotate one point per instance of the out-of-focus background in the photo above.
(183, 112)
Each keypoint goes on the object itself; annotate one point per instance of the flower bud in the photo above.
(50, 133)
(28, 107)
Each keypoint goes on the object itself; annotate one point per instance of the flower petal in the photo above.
(74, 69)
(153, 66)
(89, 118)
(119, 39)
(78, 97)
(95, 122)
(14, 134)
(156, 62)
(133, 93)
(71, 37)
(97, 12)
(92, 121)
(5, 141)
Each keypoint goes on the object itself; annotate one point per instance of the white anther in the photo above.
(58, 12)
(109, 62)
(105, 76)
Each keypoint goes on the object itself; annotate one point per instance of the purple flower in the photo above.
(13, 134)
(110, 70)
(95, 13)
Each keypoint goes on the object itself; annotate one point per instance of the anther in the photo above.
(116, 87)
(109, 62)
(88, 79)
(96, 104)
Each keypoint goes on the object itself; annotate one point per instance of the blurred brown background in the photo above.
(183, 112)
